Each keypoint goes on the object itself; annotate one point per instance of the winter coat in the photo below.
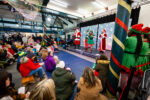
(14, 48)
(50, 63)
(92, 93)
(11, 51)
(102, 67)
(64, 83)
(26, 66)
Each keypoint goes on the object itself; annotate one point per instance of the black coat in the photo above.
(3, 56)
(102, 67)
(64, 83)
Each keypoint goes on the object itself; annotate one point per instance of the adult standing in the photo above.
(102, 45)
(90, 40)
(143, 55)
(77, 36)
(24, 39)
(133, 48)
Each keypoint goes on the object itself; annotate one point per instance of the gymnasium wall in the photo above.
(145, 15)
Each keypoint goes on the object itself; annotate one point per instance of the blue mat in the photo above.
(76, 64)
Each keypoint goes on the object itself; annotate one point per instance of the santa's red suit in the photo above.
(102, 45)
(77, 36)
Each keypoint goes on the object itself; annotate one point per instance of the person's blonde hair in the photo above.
(45, 90)
(89, 77)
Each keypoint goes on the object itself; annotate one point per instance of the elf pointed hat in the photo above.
(146, 30)
(91, 31)
(137, 28)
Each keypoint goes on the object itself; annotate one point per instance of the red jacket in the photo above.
(27, 67)
(11, 51)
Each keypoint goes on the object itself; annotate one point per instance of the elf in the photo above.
(90, 40)
(136, 49)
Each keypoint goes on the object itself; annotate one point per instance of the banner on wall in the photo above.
(108, 27)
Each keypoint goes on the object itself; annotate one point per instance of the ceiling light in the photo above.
(71, 16)
(49, 19)
(101, 3)
(97, 4)
(82, 11)
(59, 3)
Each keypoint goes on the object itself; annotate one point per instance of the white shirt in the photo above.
(24, 39)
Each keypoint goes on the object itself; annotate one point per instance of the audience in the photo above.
(89, 87)
(45, 90)
(61, 86)
(64, 81)
(6, 91)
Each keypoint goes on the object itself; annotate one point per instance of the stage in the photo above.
(95, 53)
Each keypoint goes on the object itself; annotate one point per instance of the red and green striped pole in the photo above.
(120, 33)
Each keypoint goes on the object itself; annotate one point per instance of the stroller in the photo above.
(145, 86)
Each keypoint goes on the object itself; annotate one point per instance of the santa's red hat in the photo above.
(137, 28)
(146, 30)
(104, 30)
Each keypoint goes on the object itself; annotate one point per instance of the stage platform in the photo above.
(95, 53)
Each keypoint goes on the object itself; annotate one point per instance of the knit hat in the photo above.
(146, 30)
(104, 31)
(30, 55)
(137, 28)
(61, 64)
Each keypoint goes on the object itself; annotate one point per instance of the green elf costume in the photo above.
(90, 40)
(135, 50)
(144, 58)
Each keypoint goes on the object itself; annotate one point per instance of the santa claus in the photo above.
(77, 36)
(102, 37)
